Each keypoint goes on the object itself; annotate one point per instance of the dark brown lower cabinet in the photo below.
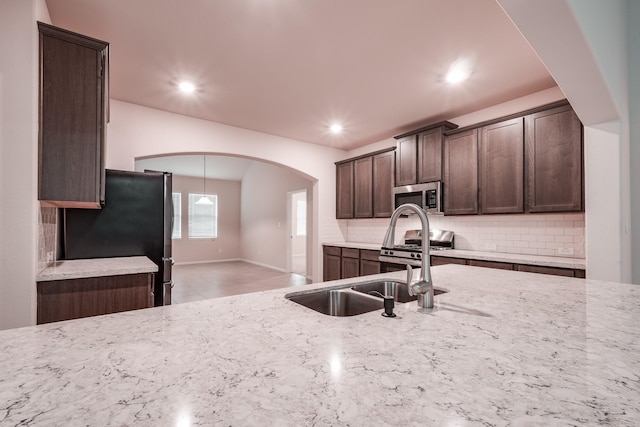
(350, 263)
(369, 263)
(344, 263)
(332, 260)
(441, 260)
(556, 271)
(75, 298)
(491, 264)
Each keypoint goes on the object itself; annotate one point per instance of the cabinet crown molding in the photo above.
(447, 127)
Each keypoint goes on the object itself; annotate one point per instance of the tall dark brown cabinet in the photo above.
(554, 175)
(344, 190)
(501, 167)
(363, 186)
(461, 173)
(383, 175)
(73, 114)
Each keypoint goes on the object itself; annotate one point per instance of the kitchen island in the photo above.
(499, 348)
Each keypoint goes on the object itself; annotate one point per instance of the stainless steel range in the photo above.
(410, 251)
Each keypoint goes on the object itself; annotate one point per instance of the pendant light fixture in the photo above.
(204, 200)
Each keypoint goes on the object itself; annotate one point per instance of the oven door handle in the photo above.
(402, 261)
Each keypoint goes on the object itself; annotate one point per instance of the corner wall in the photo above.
(18, 160)
(265, 233)
(634, 134)
(585, 46)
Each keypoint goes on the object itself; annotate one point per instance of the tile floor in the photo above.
(195, 282)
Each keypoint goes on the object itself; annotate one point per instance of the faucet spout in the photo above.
(423, 287)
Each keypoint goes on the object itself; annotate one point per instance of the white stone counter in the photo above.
(96, 267)
(500, 348)
(543, 261)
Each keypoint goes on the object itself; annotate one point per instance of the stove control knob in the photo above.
(418, 255)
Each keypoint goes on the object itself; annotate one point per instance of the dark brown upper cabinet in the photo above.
(364, 186)
(383, 181)
(554, 173)
(501, 167)
(73, 112)
(344, 190)
(461, 173)
(419, 154)
(406, 160)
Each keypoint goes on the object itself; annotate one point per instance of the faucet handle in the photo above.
(409, 275)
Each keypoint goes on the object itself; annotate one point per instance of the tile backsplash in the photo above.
(47, 236)
(531, 234)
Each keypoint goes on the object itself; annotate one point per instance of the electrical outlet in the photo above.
(49, 256)
(565, 251)
(490, 246)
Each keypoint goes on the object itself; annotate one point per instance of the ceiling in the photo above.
(293, 67)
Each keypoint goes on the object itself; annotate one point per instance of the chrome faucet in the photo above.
(423, 287)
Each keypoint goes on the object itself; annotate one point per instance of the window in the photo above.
(203, 218)
(301, 218)
(176, 232)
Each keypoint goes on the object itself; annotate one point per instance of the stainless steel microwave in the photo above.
(428, 196)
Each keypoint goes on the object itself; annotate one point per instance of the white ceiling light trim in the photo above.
(459, 71)
(186, 87)
(336, 128)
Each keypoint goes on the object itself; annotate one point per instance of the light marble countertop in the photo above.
(500, 348)
(543, 261)
(96, 267)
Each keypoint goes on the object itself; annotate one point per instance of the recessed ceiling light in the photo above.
(186, 87)
(459, 71)
(335, 128)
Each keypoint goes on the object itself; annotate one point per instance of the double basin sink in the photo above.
(355, 298)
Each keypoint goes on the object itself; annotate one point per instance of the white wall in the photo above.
(136, 131)
(585, 46)
(634, 135)
(298, 241)
(227, 245)
(18, 159)
(265, 234)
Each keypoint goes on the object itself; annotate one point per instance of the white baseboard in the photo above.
(265, 265)
(272, 267)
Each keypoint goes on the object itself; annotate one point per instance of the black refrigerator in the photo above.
(136, 219)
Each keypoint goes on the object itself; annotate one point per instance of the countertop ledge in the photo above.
(96, 267)
(501, 348)
(543, 261)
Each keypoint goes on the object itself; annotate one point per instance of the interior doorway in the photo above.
(297, 227)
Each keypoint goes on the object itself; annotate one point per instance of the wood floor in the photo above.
(194, 282)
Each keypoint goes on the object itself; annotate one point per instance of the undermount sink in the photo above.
(355, 298)
(337, 302)
(398, 290)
